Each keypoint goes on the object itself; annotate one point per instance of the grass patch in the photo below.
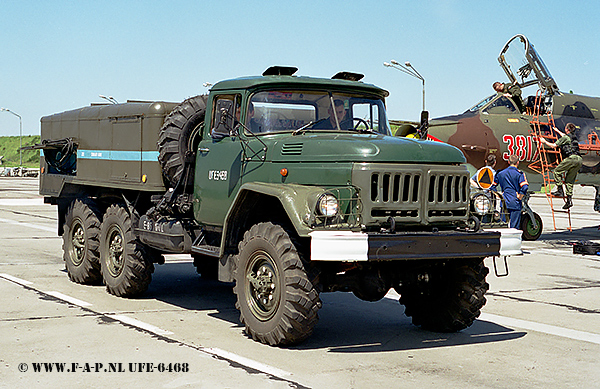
(9, 148)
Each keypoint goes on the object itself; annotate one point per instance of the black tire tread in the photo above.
(174, 136)
(88, 272)
(453, 303)
(302, 301)
(137, 272)
(524, 221)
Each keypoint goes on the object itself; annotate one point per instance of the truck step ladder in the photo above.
(547, 159)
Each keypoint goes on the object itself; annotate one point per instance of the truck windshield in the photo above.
(290, 110)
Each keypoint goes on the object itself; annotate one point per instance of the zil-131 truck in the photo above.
(287, 186)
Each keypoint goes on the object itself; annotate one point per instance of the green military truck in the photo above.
(288, 186)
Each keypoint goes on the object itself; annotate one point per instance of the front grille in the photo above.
(445, 188)
(412, 193)
(395, 187)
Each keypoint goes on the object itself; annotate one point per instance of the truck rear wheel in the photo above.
(178, 136)
(124, 268)
(451, 300)
(81, 242)
(277, 302)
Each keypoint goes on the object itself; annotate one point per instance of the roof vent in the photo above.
(280, 71)
(348, 76)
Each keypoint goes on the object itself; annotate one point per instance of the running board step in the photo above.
(211, 251)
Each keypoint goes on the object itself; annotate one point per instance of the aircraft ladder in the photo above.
(547, 159)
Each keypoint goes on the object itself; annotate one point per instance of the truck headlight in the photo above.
(328, 205)
(481, 204)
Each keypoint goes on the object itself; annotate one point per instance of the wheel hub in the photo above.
(78, 243)
(115, 251)
(262, 287)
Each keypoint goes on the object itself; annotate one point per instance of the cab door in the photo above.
(218, 162)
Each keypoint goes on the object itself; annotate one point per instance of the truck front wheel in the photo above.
(124, 269)
(277, 302)
(450, 298)
(81, 241)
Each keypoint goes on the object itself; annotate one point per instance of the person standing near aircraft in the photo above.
(566, 171)
(514, 186)
(490, 162)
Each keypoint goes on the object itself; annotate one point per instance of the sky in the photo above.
(61, 55)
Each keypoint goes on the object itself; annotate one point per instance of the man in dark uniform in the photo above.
(514, 186)
(566, 171)
(251, 122)
(510, 90)
(332, 121)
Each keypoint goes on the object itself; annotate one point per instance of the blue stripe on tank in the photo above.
(118, 155)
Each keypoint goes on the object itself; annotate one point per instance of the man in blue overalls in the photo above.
(514, 186)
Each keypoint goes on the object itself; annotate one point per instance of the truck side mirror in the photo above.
(221, 130)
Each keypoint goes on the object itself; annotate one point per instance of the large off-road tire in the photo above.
(178, 135)
(125, 270)
(530, 233)
(278, 304)
(81, 242)
(451, 300)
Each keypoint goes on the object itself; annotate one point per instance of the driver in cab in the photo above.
(331, 123)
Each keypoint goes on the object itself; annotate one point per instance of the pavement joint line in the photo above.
(140, 324)
(69, 299)
(30, 225)
(214, 352)
(529, 325)
(540, 327)
(14, 279)
(21, 202)
(247, 362)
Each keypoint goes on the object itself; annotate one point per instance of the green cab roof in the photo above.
(260, 82)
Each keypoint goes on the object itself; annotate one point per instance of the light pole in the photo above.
(110, 99)
(408, 69)
(20, 136)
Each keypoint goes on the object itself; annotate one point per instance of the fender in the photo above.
(297, 201)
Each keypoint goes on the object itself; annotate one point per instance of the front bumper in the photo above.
(510, 241)
(348, 246)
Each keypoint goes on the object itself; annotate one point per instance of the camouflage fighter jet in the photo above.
(497, 126)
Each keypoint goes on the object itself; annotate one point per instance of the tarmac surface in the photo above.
(540, 327)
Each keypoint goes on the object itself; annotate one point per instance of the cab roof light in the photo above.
(280, 71)
(348, 76)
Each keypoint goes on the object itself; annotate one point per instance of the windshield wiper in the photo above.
(361, 130)
(302, 129)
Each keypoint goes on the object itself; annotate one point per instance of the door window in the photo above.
(226, 115)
